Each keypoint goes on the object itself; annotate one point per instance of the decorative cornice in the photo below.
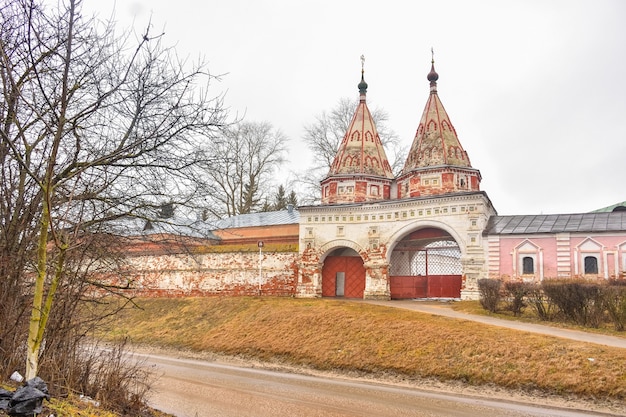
(414, 202)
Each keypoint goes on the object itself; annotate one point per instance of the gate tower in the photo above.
(378, 237)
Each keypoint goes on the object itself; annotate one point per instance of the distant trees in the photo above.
(237, 177)
(324, 135)
(281, 200)
(94, 127)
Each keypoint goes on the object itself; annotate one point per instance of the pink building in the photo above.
(536, 247)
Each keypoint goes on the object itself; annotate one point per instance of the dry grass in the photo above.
(352, 336)
(530, 316)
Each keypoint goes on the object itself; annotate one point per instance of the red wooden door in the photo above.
(354, 273)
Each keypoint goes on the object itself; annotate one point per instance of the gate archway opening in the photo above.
(426, 264)
(343, 274)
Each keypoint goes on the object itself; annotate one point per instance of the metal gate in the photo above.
(430, 271)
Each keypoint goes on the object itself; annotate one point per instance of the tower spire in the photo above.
(437, 163)
(432, 75)
(362, 85)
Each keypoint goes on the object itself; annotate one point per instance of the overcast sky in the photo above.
(535, 89)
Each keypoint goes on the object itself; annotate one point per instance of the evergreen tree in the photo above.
(292, 199)
(280, 199)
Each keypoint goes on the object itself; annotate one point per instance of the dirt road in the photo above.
(198, 388)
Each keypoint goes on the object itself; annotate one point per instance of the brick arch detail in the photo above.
(444, 282)
(328, 247)
(403, 231)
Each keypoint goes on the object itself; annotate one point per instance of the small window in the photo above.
(528, 265)
(591, 265)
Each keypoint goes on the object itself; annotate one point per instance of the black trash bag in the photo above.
(27, 400)
(5, 397)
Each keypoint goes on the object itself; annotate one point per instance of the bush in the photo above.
(578, 301)
(543, 306)
(489, 290)
(118, 380)
(614, 298)
(516, 292)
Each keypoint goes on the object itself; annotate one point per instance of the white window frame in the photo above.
(528, 248)
(590, 247)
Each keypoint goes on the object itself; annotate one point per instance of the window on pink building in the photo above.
(591, 265)
(528, 265)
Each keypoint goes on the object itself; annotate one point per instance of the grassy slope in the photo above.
(352, 336)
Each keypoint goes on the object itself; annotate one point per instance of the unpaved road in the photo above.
(198, 388)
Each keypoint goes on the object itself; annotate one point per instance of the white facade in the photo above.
(374, 229)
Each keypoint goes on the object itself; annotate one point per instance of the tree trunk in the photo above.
(34, 342)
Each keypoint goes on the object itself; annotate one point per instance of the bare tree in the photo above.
(324, 135)
(95, 127)
(239, 177)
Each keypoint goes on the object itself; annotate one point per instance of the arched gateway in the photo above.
(343, 274)
(426, 264)
(417, 234)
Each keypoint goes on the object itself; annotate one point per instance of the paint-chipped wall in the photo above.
(228, 273)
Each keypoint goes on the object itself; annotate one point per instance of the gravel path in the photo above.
(440, 308)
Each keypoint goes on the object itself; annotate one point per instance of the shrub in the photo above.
(614, 298)
(516, 293)
(542, 305)
(489, 291)
(578, 301)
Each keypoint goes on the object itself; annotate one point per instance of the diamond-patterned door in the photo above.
(353, 273)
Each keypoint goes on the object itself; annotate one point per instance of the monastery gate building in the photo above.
(429, 232)
(415, 236)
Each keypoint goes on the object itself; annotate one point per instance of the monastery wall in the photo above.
(227, 273)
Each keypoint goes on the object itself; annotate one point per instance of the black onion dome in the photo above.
(362, 85)
(432, 75)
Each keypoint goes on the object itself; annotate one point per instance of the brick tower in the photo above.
(437, 163)
(360, 171)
